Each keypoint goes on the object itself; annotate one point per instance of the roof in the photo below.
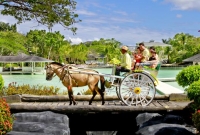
(195, 58)
(152, 43)
(23, 58)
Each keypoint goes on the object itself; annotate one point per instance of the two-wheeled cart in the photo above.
(136, 88)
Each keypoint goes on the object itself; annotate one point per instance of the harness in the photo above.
(66, 73)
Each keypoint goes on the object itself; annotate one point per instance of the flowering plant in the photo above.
(114, 61)
(196, 119)
(6, 119)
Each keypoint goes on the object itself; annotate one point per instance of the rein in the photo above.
(67, 73)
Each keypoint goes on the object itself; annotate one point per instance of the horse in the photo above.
(74, 77)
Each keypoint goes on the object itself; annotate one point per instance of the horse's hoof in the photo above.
(90, 103)
(70, 104)
(103, 103)
(76, 103)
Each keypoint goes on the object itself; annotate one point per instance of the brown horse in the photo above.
(73, 77)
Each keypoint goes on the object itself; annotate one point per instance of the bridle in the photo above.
(63, 69)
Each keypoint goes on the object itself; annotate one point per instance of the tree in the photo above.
(12, 43)
(45, 44)
(167, 50)
(78, 54)
(45, 12)
(7, 27)
(36, 42)
(65, 52)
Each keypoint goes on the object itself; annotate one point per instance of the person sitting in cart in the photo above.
(152, 48)
(152, 61)
(145, 52)
(125, 65)
(145, 55)
(136, 58)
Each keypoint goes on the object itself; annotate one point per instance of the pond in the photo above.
(40, 79)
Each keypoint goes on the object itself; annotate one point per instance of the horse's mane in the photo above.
(57, 63)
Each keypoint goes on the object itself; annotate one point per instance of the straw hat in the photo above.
(124, 48)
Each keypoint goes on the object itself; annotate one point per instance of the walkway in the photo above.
(165, 88)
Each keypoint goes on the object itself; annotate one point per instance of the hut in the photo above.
(22, 63)
(194, 60)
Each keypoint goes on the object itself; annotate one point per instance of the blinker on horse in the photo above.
(71, 77)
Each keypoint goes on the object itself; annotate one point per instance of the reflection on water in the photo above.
(40, 79)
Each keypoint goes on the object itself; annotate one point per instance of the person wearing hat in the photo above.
(125, 65)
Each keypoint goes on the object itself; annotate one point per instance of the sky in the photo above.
(127, 21)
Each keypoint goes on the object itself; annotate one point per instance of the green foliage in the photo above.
(1, 82)
(45, 12)
(12, 43)
(11, 65)
(114, 61)
(196, 119)
(45, 44)
(7, 27)
(188, 75)
(87, 92)
(13, 88)
(6, 119)
(193, 92)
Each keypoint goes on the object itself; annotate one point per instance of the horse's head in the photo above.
(49, 72)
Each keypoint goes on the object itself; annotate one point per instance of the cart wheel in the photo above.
(117, 91)
(137, 89)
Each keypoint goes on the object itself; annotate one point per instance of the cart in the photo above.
(135, 88)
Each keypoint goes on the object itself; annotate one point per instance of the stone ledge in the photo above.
(178, 97)
(13, 98)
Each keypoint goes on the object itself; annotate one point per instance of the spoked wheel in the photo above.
(137, 89)
(118, 94)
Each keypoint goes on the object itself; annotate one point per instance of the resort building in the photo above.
(23, 63)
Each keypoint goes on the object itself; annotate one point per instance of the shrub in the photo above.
(196, 119)
(193, 92)
(188, 75)
(13, 88)
(6, 119)
(86, 92)
(11, 65)
(1, 82)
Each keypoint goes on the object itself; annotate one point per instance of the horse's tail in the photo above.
(102, 83)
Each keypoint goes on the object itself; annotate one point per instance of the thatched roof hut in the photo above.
(26, 64)
(194, 59)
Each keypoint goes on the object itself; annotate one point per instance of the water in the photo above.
(41, 80)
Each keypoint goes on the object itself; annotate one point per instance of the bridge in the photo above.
(60, 103)
(113, 116)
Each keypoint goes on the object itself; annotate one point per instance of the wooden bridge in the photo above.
(58, 103)
(113, 116)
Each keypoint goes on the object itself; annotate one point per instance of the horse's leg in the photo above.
(102, 95)
(102, 90)
(71, 96)
(94, 94)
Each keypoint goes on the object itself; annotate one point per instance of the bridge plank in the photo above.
(151, 105)
(156, 104)
(167, 104)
